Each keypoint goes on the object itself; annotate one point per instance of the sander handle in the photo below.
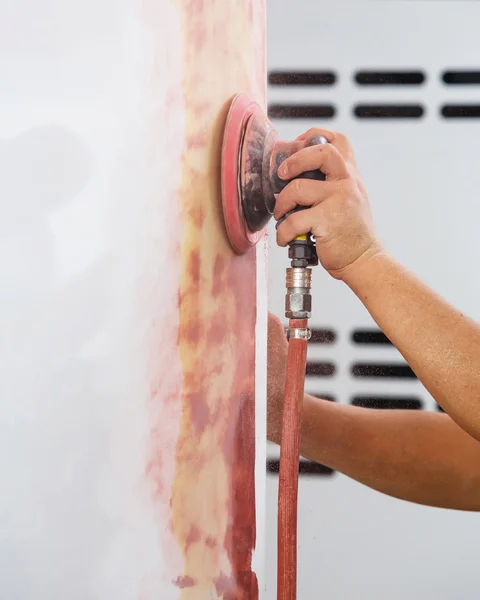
(302, 250)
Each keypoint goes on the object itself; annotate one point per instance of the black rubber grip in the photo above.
(316, 175)
(282, 219)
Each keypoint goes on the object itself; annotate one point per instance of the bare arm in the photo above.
(440, 343)
(421, 457)
(417, 456)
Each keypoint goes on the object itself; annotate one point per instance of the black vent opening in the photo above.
(461, 111)
(389, 77)
(385, 371)
(370, 336)
(302, 78)
(320, 369)
(388, 402)
(301, 111)
(461, 77)
(305, 467)
(389, 111)
(323, 336)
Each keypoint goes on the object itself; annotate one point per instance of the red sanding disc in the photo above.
(242, 109)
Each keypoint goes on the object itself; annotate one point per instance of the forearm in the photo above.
(440, 343)
(416, 456)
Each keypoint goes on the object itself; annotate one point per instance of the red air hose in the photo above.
(289, 460)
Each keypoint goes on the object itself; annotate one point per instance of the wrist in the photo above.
(367, 270)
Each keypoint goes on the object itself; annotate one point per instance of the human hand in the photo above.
(339, 213)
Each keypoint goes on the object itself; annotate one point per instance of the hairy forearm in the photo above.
(440, 343)
(416, 456)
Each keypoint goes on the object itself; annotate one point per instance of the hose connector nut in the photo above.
(298, 305)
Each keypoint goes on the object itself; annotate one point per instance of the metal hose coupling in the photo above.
(299, 334)
(298, 301)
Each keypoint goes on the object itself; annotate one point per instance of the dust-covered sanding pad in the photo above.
(242, 110)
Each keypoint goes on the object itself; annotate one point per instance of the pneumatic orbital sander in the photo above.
(251, 156)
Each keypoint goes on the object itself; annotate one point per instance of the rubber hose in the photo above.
(289, 461)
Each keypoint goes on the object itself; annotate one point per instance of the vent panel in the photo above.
(371, 78)
(293, 101)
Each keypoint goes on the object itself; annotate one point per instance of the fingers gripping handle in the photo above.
(283, 154)
(302, 250)
(283, 150)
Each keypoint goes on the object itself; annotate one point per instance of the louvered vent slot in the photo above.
(370, 337)
(301, 111)
(389, 77)
(320, 369)
(293, 78)
(461, 111)
(384, 371)
(389, 111)
(388, 402)
(323, 336)
(461, 77)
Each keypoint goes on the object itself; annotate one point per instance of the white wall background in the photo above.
(83, 185)
(423, 180)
